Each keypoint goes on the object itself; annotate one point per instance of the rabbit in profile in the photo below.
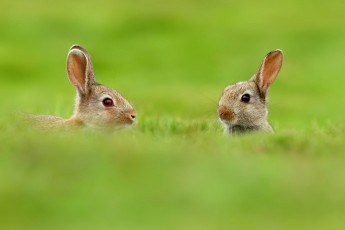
(96, 105)
(243, 106)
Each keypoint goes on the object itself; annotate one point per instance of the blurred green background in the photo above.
(174, 169)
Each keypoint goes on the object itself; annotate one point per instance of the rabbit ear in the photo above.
(268, 70)
(79, 69)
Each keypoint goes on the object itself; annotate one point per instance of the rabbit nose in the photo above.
(226, 114)
(132, 115)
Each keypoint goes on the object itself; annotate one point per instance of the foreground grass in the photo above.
(171, 174)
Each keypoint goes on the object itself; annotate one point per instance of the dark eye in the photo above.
(107, 102)
(245, 98)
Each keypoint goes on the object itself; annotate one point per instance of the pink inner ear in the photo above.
(78, 67)
(271, 69)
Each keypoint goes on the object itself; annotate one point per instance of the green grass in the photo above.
(174, 169)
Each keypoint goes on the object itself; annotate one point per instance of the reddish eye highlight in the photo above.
(107, 102)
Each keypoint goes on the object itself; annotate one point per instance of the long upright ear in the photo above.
(268, 71)
(79, 69)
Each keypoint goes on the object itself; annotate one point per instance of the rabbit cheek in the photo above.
(110, 116)
(252, 115)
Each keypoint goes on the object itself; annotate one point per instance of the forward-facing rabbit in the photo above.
(96, 105)
(243, 106)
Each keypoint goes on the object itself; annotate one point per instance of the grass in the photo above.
(174, 169)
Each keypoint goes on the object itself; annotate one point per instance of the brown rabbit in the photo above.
(96, 105)
(243, 106)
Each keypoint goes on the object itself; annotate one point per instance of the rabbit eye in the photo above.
(245, 98)
(107, 102)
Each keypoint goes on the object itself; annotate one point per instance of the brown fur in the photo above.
(89, 109)
(241, 117)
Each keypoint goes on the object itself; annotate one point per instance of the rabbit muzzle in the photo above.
(127, 117)
(226, 114)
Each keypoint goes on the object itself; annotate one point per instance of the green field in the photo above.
(174, 169)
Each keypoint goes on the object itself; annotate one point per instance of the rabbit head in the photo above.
(96, 105)
(243, 105)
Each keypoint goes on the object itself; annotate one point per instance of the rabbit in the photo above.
(96, 105)
(243, 106)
